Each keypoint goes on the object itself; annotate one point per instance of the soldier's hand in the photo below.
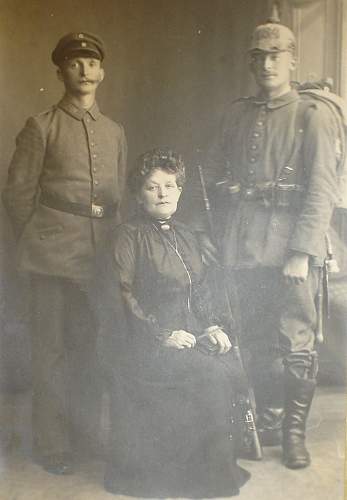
(296, 268)
(208, 250)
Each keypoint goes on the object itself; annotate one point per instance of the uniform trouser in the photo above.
(66, 389)
(278, 320)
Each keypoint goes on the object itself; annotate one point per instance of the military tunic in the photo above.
(284, 141)
(270, 145)
(76, 156)
(72, 158)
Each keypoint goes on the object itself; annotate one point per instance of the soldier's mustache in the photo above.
(90, 80)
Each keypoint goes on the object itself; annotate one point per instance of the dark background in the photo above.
(171, 66)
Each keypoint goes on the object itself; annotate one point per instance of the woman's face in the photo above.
(159, 194)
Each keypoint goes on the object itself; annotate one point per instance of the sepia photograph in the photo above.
(173, 227)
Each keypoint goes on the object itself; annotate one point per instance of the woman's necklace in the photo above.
(174, 247)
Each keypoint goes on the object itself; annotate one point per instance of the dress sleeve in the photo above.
(202, 303)
(125, 255)
(321, 164)
(24, 172)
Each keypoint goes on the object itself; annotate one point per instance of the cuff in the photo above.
(163, 335)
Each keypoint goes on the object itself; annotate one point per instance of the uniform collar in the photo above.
(78, 113)
(278, 102)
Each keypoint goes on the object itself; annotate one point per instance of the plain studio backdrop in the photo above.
(171, 66)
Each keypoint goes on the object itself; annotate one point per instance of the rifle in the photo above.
(329, 266)
(251, 447)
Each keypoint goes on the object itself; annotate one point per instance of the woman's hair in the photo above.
(162, 159)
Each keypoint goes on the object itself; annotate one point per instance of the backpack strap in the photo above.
(288, 175)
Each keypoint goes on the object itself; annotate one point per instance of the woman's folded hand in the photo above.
(219, 339)
(180, 339)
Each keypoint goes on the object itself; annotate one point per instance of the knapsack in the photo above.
(338, 108)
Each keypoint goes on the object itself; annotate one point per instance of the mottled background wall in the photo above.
(171, 66)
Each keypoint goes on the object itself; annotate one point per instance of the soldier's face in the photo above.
(272, 71)
(81, 75)
(159, 194)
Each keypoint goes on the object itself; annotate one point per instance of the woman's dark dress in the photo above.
(172, 410)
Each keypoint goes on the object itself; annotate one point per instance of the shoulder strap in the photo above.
(288, 173)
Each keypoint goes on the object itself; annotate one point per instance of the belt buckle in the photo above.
(97, 211)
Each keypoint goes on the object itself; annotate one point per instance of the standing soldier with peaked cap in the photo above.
(276, 153)
(64, 189)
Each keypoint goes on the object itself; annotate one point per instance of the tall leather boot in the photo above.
(268, 385)
(269, 426)
(298, 398)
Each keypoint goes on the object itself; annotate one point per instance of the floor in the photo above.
(324, 480)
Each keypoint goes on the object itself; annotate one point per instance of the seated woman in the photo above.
(172, 402)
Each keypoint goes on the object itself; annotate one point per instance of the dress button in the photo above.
(92, 144)
(251, 172)
(260, 123)
(94, 156)
(253, 159)
(87, 120)
(92, 131)
(255, 134)
(96, 182)
(254, 147)
(94, 169)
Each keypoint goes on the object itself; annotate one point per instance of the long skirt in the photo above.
(174, 426)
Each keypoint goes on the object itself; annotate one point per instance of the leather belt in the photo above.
(270, 194)
(92, 210)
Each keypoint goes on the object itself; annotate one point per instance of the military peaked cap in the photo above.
(78, 44)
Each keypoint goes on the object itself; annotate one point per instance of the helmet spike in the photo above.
(275, 14)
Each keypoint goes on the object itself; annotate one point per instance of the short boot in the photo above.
(269, 426)
(298, 398)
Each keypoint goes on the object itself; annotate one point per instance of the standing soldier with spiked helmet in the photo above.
(276, 161)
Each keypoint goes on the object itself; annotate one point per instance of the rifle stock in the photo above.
(251, 447)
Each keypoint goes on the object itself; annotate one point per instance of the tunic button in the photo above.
(88, 120)
(92, 144)
(252, 159)
(255, 134)
(94, 155)
(92, 131)
(96, 182)
(251, 172)
(254, 147)
(260, 123)
(94, 169)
